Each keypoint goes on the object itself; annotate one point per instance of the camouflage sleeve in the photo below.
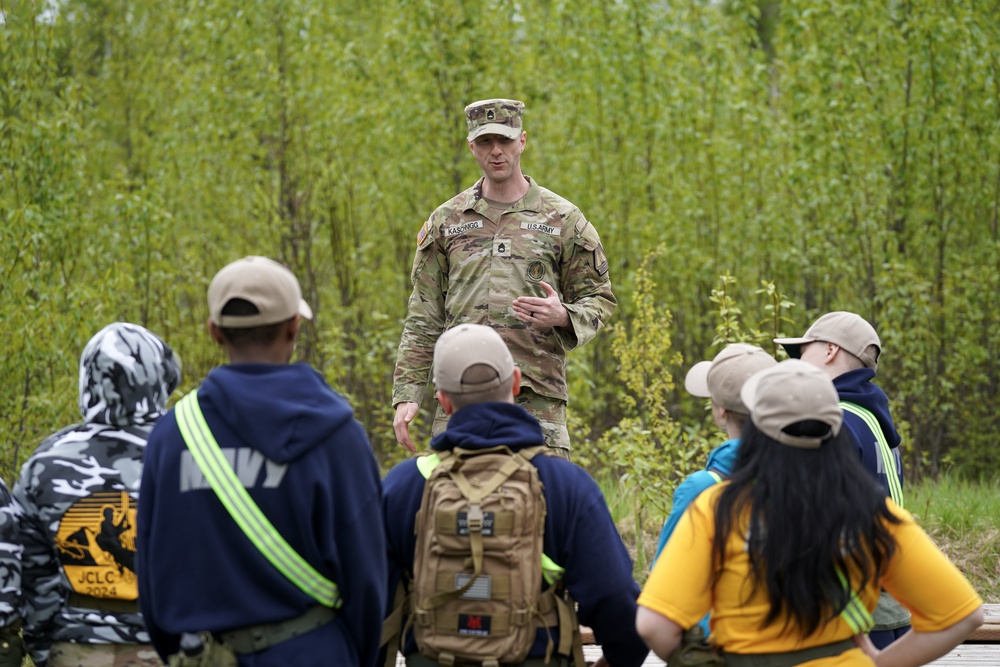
(10, 558)
(425, 317)
(40, 577)
(585, 285)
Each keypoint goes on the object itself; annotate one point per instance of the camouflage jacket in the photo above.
(10, 558)
(79, 491)
(469, 266)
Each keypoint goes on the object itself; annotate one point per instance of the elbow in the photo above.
(973, 621)
(659, 633)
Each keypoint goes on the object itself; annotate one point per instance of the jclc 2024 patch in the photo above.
(96, 543)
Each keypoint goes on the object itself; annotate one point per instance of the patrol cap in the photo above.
(790, 392)
(460, 348)
(846, 330)
(496, 116)
(722, 378)
(266, 284)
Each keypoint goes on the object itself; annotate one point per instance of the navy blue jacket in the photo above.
(308, 465)
(857, 387)
(580, 534)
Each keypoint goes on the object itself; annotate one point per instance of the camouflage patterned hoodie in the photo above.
(10, 558)
(79, 492)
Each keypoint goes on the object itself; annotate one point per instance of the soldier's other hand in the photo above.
(600, 662)
(547, 312)
(405, 412)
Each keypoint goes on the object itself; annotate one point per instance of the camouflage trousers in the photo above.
(550, 413)
(70, 654)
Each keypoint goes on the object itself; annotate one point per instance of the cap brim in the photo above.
(696, 380)
(495, 128)
(793, 345)
(304, 309)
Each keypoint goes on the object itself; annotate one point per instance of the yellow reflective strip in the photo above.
(254, 523)
(426, 464)
(885, 451)
(222, 478)
(855, 614)
(246, 513)
(551, 571)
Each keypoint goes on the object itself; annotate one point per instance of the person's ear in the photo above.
(215, 331)
(446, 403)
(516, 384)
(293, 328)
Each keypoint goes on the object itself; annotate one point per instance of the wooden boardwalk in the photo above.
(981, 649)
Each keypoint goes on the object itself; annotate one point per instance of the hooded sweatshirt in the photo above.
(580, 534)
(722, 460)
(857, 387)
(10, 558)
(307, 464)
(79, 489)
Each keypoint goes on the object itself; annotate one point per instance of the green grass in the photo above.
(962, 517)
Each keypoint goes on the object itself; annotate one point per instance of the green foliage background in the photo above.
(749, 165)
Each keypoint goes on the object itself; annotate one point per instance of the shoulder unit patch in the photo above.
(424, 231)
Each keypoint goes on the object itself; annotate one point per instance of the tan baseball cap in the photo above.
(722, 378)
(790, 392)
(268, 285)
(847, 330)
(496, 116)
(467, 345)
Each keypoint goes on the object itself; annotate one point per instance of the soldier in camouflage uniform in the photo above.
(11, 644)
(512, 255)
(79, 491)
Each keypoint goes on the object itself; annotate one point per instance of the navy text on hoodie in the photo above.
(307, 464)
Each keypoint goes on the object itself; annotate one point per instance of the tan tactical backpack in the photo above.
(477, 575)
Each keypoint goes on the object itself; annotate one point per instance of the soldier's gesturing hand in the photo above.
(547, 312)
(405, 412)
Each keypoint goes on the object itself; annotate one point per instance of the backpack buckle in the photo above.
(475, 519)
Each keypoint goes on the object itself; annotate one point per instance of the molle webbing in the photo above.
(476, 597)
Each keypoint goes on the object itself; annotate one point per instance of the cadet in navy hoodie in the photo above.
(580, 534)
(847, 348)
(306, 463)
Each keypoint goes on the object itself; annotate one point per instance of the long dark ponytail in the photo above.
(809, 514)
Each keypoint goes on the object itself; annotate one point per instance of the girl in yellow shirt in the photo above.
(790, 554)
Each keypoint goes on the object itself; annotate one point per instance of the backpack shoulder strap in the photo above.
(885, 452)
(248, 516)
(392, 626)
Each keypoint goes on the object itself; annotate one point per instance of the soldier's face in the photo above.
(498, 156)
